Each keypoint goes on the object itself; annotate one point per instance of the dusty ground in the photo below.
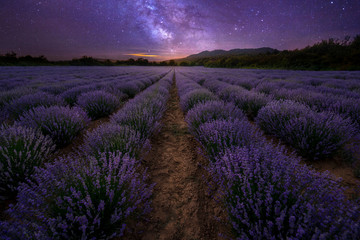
(182, 209)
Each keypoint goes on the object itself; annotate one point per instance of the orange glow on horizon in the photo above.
(142, 55)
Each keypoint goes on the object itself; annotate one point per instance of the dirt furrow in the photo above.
(182, 209)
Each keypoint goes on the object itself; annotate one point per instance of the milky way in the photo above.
(164, 29)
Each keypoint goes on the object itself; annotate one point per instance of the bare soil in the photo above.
(181, 205)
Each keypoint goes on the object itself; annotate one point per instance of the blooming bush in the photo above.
(114, 138)
(21, 151)
(98, 104)
(218, 136)
(70, 96)
(20, 105)
(269, 195)
(121, 96)
(211, 110)
(62, 124)
(143, 113)
(76, 198)
(190, 99)
(142, 120)
(313, 135)
(248, 101)
(10, 95)
(275, 115)
(318, 135)
(130, 88)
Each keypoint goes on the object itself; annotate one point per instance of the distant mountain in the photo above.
(232, 52)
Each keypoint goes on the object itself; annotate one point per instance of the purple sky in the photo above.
(165, 29)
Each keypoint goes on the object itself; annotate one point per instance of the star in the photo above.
(109, 28)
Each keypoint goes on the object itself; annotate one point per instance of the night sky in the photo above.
(165, 29)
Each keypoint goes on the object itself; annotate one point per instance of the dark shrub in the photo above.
(218, 136)
(21, 151)
(18, 106)
(269, 195)
(98, 104)
(209, 111)
(275, 115)
(318, 135)
(70, 96)
(114, 138)
(248, 101)
(77, 198)
(190, 99)
(62, 124)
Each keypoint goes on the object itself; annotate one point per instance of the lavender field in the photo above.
(178, 153)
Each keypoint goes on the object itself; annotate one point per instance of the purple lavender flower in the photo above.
(18, 106)
(248, 101)
(218, 136)
(62, 124)
(121, 96)
(318, 135)
(8, 96)
(270, 195)
(211, 110)
(98, 104)
(313, 135)
(114, 138)
(143, 113)
(273, 117)
(190, 99)
(21, 151)
(143, 120)
(70, 96)
(130, 88)
(76, 198)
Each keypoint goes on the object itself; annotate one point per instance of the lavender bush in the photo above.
(272, 196)
(273, 117)
(18, 106)
(70, 96)
(121, 96)
(318, 135)
(140, 119)
(62, 124)
(77, 198)
(218, 136)
(129, 88)
(21, 151)
(143, 113)
(98, 104)
(10, 95)
(313, 135)
(190, 99)
(349, 108)
(114, 138)
(248, 101)
(211, 110)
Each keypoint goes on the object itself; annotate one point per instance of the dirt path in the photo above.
(181, 206)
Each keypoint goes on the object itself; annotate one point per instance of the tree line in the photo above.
(11, 59)
(326, 55)
(329, 54)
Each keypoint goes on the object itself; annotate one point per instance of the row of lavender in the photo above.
(313, 133)
(36, 133)
(267, 193)
(79, 90)
(95, 193)
(337, 92)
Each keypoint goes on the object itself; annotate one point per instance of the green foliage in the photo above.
(327, 55)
